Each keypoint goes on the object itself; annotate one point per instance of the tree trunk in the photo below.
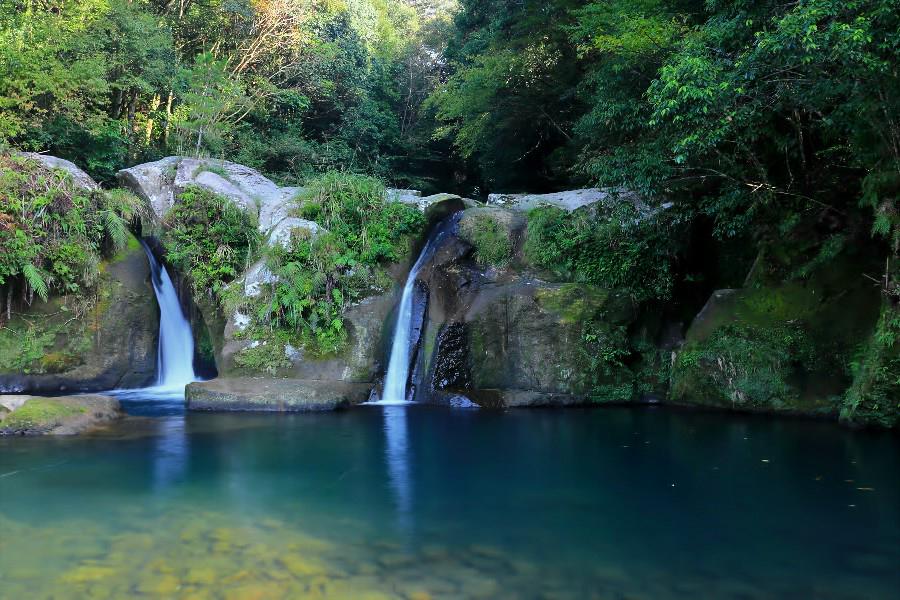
(168, 119)
(154, 106)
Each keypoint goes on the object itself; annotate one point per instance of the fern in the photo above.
(38, 280)
(116, 229)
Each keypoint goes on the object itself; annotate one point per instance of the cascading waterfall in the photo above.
(175, 356)
(395, 382)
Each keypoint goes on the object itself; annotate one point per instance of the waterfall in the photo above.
(175, 356)
(398, 366)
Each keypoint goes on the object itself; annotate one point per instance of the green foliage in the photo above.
(615, 248)
(266, 357)
(319, 273)
(210, 239)
(53, 234)
(605, 350)
(874, 397)
(509, 104)
(747, 366)
(294, 87)
(491, 241)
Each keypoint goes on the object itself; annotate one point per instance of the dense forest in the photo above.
(760, 116)
(763, 136)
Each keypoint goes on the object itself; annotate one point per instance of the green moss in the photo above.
(746, 367)
(874, 396)
(573, 302)
(39, 414)
(490, 239)
(267, 357)
(133, 245)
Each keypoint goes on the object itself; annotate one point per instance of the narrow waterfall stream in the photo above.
(397, 378)
(175, 356)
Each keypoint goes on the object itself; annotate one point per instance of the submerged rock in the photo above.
(64, 415)
(273, 395)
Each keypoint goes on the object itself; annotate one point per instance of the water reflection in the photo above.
(397, 456)
(171, 454)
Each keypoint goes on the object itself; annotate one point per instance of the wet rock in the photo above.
(274, 395)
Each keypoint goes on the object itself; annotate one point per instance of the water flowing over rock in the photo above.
(502, 336)
(175, 355)
(407, 330)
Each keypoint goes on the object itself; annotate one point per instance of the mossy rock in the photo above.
(780, 347)
(495, 234)
(59, 416)
(536, 337)
(94, 342)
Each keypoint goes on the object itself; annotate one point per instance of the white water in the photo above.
(398, 366)
(175, 356)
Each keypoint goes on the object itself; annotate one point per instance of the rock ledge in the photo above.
(274, 395)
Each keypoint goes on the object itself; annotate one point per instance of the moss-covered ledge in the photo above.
(65, 415)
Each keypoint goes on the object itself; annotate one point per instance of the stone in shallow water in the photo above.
(159, 585)
(303, 567)
(200, 576)
(88, 573)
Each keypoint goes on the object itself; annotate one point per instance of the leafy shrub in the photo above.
(209, 238)
(52, 233)
(619, 248)
(492, 244)
(874, 396)
(750, 366)
(318, 274)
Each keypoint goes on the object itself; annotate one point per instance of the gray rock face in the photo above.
(503, 337)
(162, 181)
(81, 179)
(568, 200)
(154, 182)
(273, 395)
(282, 232)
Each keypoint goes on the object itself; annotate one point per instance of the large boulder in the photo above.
(779, 346)
(504, 337)
(67, 344)
(79, 177)
(161, 182)
(569, 200)
(61, 415)
(273, 395)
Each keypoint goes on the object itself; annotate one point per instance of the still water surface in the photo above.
(423, 502)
